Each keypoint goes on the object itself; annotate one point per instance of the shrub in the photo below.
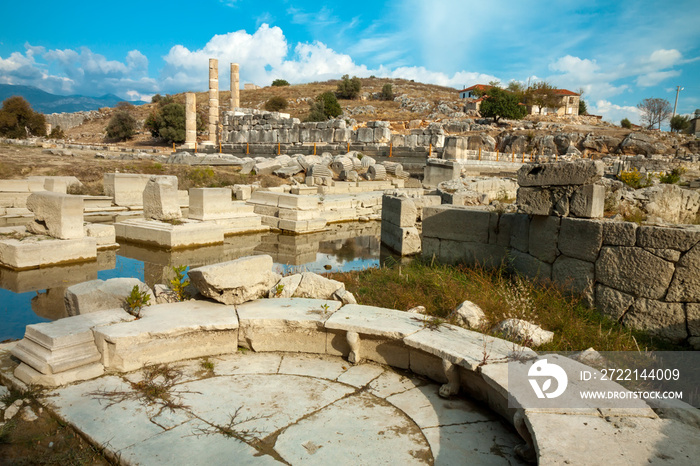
(679, 123)
(672, 177)
(280, 82)
(124, 105)
(387, 92)
(121, 126)
(634, 179)
(156, 98)
(349, 88)
(275, 104)
(626, 123)
(57, 133)
(168, 123)
(18, 120)
(324, 107)
(179, 283)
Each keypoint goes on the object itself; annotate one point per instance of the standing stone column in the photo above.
(235, 87)
(190, 121)
(213, 99)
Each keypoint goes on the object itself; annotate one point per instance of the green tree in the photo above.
(325, 106)
(17, 119)
(626, 123)
(387, 92)
(156, 98)
(57, 133)
(542, 95)
(169, 123)
(502, 104)
(121, 126)
(280, 82)
(582, 107)
(680, 123)
(349, 88)
(275, 104)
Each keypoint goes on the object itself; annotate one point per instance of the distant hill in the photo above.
(46, 102)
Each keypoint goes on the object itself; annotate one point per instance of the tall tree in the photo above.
(654, 111)
(502, 104)
(18, 120)
(679, 123)
(542, 95)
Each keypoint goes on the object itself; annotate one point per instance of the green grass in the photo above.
(441, 288)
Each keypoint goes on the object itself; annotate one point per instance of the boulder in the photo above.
(57, 215)
(237, 281)
(317, 287)
(469, 315)
(101, 295)
(523, 331)
(560, 173)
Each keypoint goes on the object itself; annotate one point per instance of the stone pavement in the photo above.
(265, 408)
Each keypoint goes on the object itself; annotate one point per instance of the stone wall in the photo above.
(647, 277)
(256, 127)
(70, 120)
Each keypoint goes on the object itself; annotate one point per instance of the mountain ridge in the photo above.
(46, 102)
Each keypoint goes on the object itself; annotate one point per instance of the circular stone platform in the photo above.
(267, 408)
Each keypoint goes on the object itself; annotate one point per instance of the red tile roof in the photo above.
(481, 87)
(564, 92)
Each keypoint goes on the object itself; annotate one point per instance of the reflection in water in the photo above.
(343, 247)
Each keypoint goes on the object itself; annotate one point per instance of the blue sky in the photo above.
(618, 52)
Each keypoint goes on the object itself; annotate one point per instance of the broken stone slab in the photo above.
(56, 215)
(576, 173)
(285, 287)
(160, 198)
(237, 281)
(167, 333)
(469, 315)
(104, 235)
(317, 287)
(285, 324)
(100, 295)
(523, 331)
(377, 321)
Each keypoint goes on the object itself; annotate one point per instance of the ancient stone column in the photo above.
(190, 121)
(213, 99)
(235, 87)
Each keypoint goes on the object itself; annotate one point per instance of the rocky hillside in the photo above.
(416, 105)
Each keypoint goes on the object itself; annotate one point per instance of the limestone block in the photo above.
(295, 325)
(376, 321)
(267, 167)
(160, 198)
(580, 238)
(399, 211)
(58, 215)
(31, 376)
(264, 198)
(456, 223)
(519, 231)
(382, 135)
(237, 281)
(364, 135)
(574, 275)
(679, 238)
(634, 271)
(317, 287)
(41, 251)
(588, 201)
(658, 318)
(535, 201)
(469, 315)
(285, 287)
(210, 203)
(104, 234)
(543, 235)
(430, 248)
(169, 332)
(693, 314)
(530, 266)
(293, 201)
(404, 240)
(580, 172)
(100, 295)
(124, 188)
(165, 235)
(523, 331)
(686, 281)
(472, 254)
(612, 302)
(619, 233)
(455, 148)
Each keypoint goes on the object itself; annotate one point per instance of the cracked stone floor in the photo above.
(260, 408)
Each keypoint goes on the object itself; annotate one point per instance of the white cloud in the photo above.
(614, 113)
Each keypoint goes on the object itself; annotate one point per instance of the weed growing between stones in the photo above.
(441, 288)
(155, 388)
(233, 429)
(180, 283)
(207, 365)
(136, 301)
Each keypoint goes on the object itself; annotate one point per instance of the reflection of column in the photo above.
(213, 99)
(190, 121)
(50, 305)
(235, 87)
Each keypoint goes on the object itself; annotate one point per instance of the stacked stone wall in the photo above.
(646, 277)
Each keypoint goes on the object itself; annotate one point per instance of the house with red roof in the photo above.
(568, 101)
